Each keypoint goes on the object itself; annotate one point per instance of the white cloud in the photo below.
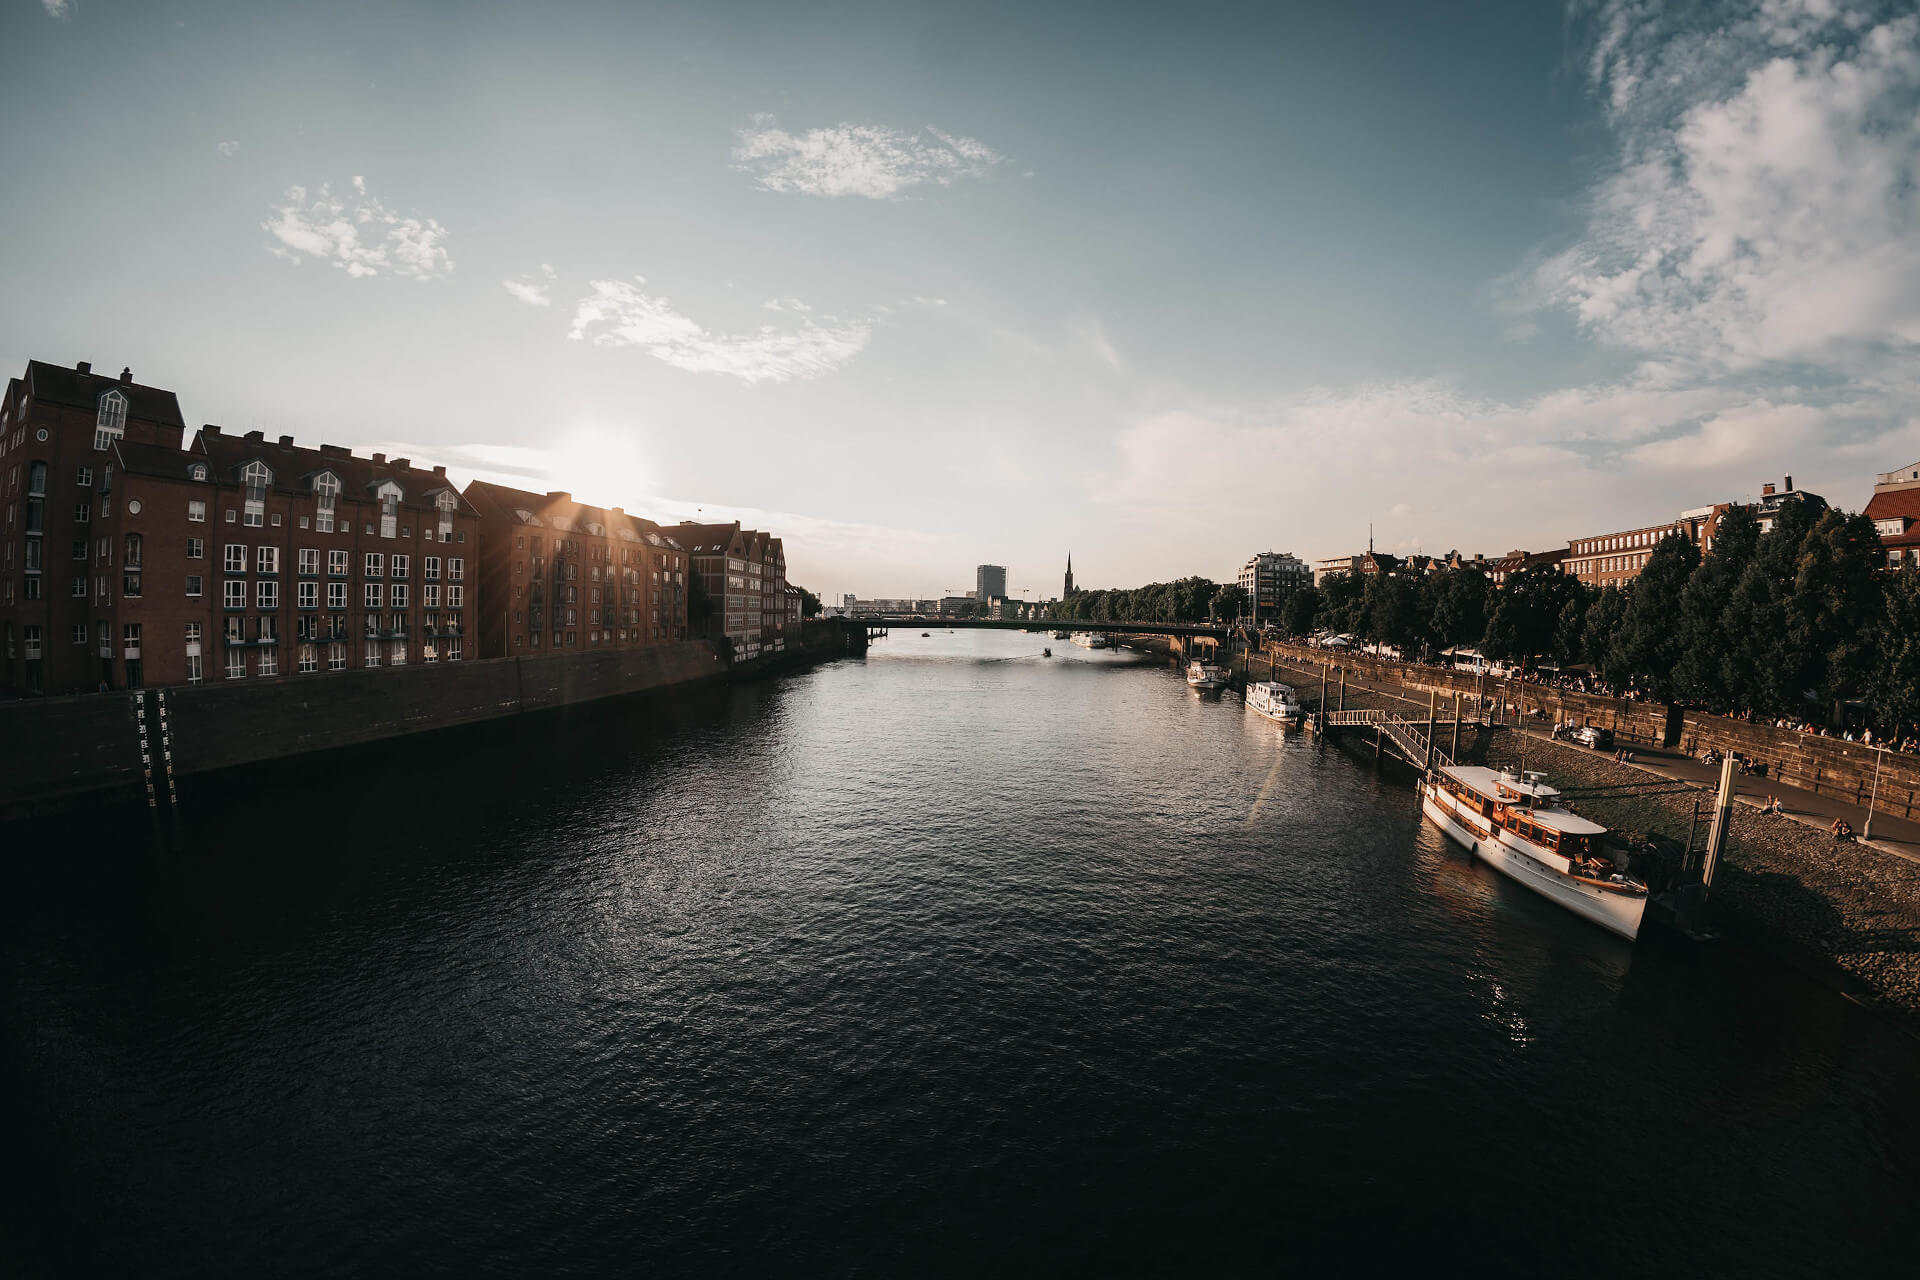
(1762, 208)
(62, 9)
(227, 150)
(618, 313)
(868, 160)
(533, 292)
(357, 234)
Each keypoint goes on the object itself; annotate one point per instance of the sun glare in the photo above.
(600, 466)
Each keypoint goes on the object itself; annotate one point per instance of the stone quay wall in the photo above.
(1826, 766)
(57, 752)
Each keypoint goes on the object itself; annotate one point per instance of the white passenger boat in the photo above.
(1207, 675)
(1091, 639)
(1275, 701)
(1518, 826)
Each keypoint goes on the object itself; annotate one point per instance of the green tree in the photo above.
(1894, 685)
(1700, 674)
(1391, 616)
(809, 604)
(1600, 633)
(1526, 617)
(1302, 610)
(1650, 639)
(1838, 604)
(1343, 596)
(1460, 611)
(1230, 601)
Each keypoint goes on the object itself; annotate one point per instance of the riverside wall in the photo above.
(1826, 766)
(58, 753)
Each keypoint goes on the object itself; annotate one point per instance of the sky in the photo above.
(919, 286)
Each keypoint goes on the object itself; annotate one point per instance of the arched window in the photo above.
(444, 501)
(112, 422)
(326, 488)
(254, 477)
(389, 495)
(198, 471)
(36, 479)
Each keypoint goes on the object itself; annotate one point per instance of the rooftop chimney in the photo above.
(1789, 484)
(210, 429)
(440, 470)
(85, 366)
(402, 464)
(557, 495)
(379, 459)
(126, 375)
(336, 451)
(286, 442)
(256, 437)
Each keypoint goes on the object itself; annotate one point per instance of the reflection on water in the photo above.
(960, 958)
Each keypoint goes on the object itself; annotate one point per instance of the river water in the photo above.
(954, 959)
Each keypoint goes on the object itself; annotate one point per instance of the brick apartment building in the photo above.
(1269, 578)
(744, 573)
(1895, 512)
(559, 576)
(132, 561)
(1612, 559)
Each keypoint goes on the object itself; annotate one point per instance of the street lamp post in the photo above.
(1879, 754)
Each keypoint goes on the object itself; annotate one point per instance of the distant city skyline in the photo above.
(924, 288)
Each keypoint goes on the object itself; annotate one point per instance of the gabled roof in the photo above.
(558, 510)
(294, 468)
(1898, 504)
(708, 539)
(57, 384)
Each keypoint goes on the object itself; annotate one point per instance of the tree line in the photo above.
(1769, 624)
(1183, 600)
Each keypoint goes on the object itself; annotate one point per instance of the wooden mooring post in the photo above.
(1455, 753)
(1433, 725)
(1343, 690)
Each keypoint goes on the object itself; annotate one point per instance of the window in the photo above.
(309, 561)
(79, 548)
(399, 566)
(430, 568)
(389, 495)
(82, 512)
(236, 664)
(308, 659)
(455, 596)
(197, 512)
(337, 564)
(37, 479)
(430, 596)
(267, 592)
(269, 662)
(398, 656)
(444, 502)
(83, 477)
(267, 559)
(375, 563)
(194, 585)
(79, 633)
(371, 595)
(336, 595)
(336, 656)
(254, 477)
(196, 549)
(399, 595)
(193, 668)
(236, 557)
(326, 488)
(372, 654)
(453, 648)
(79, 590)
(111, 423)
(456, 570)
(309, 595)
(198, 471)
(234, 594)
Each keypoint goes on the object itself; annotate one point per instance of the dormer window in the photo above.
(389, 495)
(444, 503)
(326, 488)
(254, 478)
(198, 471)
(112, 422)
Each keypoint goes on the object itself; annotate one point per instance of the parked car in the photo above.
(1594, 736)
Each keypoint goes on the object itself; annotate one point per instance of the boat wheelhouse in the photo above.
(1516, 823)
(1091, 639)
(1275, 701)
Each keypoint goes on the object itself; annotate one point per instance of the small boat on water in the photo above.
(1207, 675)
(1046, 653)
(1092, 640)
(924, 635)
(1275, 701)
(1517, 825)
(1062, 635)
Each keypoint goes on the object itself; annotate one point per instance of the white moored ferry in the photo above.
(1090, 639)
(1517, 825)
(1207, 675)
(1275, 701)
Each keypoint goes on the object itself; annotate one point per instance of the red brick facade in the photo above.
(560, 576)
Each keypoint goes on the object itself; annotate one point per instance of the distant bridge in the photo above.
(927, 622)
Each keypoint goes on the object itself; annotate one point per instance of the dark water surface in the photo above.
(957, 959)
